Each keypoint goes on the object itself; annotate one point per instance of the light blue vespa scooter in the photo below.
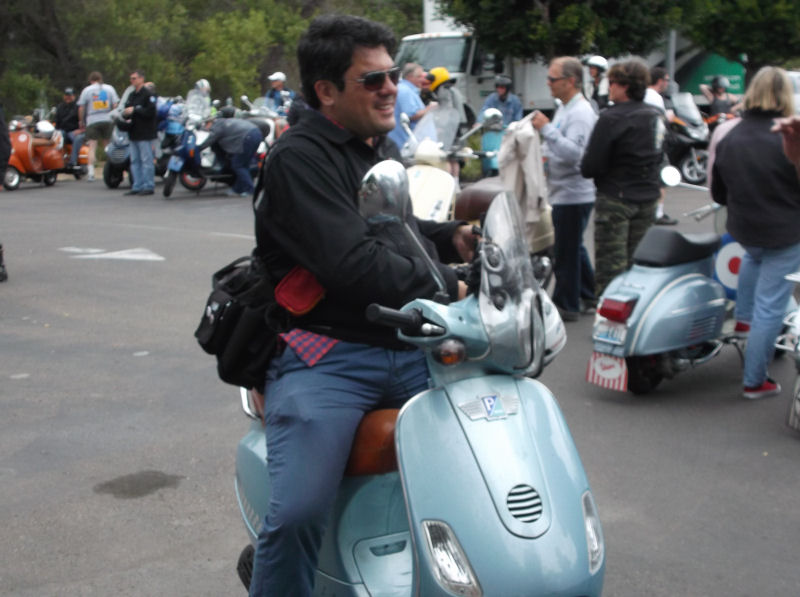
(487, 495)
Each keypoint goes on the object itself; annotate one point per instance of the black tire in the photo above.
(169, 183)
(111, 176)
(643, 375)
(793, 415)
(244, 567)
(193, 183)
(50, 178)
(79, 172)
(694, 171)
(12, 179)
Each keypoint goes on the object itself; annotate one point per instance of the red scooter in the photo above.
(37, 153)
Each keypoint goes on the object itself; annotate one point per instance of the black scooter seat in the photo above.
(662, 247)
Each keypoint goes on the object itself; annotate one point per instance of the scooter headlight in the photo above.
(594, 533)
(450, 565)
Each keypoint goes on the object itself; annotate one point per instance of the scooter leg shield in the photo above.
(490, 463)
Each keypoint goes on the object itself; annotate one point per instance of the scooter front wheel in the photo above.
(12, 178)
(643, 373)
(192, 183)
(694, 166)
(111, 176)
(169, 183)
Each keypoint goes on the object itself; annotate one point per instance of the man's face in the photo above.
(662, 85)
(617, 93)
(594, 72)
(560, 86)
(276, 84)
(68, 98)
(418, 78)
(501, 90)
(137, 81)
(363, 112)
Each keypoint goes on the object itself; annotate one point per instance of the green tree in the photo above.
(767, 32)
(543, 29)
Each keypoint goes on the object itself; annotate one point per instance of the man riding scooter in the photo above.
(329, 264)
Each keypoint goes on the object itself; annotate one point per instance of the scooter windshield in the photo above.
(508, 288)
(197, 106)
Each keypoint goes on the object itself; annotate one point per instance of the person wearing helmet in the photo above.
(203, 86)
(505, 101)
(279, 97)
(447, 94)
(597, 82)
(409, 102)
(719, 100)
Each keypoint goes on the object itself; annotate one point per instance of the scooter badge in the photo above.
(491, 408)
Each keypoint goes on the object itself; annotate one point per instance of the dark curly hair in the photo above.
(325, 50)
(634, 74)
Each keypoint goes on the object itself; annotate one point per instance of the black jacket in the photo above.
(624, 152)
(307, 214)
(143, 121)
(752, 176)
(67, 116)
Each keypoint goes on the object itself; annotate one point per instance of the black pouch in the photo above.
(241, 323)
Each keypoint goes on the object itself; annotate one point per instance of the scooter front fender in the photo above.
(175, 163)
(493, 459)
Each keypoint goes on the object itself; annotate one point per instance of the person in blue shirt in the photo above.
(503, 100)
(279, 96)
(409, 102)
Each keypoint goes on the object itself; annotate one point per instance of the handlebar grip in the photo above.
(407, 321)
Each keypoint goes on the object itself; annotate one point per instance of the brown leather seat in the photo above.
(373, 446)
(474, 200)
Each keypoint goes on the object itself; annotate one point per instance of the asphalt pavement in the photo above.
(117, 439)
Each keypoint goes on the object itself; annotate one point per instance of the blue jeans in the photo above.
(311, 417)
(142, 168)
(240, 162)
(761, 299)
(572, 267)
(77, 140)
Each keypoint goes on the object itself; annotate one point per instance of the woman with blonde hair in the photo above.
(760, 187)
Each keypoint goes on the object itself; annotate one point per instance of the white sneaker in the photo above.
(90, 176)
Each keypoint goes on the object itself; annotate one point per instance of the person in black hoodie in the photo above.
(752, 176)
(140, 110)
(624, 159)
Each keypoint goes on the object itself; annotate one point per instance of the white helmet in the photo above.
(203, 85)
(598, 62)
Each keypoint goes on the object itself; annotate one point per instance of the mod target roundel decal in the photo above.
(727, 263)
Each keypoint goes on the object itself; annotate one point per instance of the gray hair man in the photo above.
(571, 195)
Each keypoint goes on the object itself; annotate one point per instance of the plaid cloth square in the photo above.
(308, 346)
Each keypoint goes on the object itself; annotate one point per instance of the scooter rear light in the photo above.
(450, 565)
(616, 310)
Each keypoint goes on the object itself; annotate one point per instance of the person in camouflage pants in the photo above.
(619, 225)
(624, 158)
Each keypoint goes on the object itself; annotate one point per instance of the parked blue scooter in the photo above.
(672, 311)
(487, 495)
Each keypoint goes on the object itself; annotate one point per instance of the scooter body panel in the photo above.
(366, 548)
(462, 449)
(676, 307)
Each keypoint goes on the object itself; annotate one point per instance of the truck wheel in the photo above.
(643, 375)
(169, 183)
(111, 176)
(12, 178)
(693, 169)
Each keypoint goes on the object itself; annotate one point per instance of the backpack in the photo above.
(241, 323)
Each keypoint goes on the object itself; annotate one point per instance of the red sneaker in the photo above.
(765, 390)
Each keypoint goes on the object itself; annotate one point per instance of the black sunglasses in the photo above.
(554, 79)
(374, 80)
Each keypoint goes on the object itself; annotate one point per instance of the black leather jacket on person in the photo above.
(143, 121)
(625, 150)
(753, 177)
(307, 215)
(67, 116)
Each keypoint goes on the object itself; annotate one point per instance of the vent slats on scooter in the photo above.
(702, 327)
(524, 503)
